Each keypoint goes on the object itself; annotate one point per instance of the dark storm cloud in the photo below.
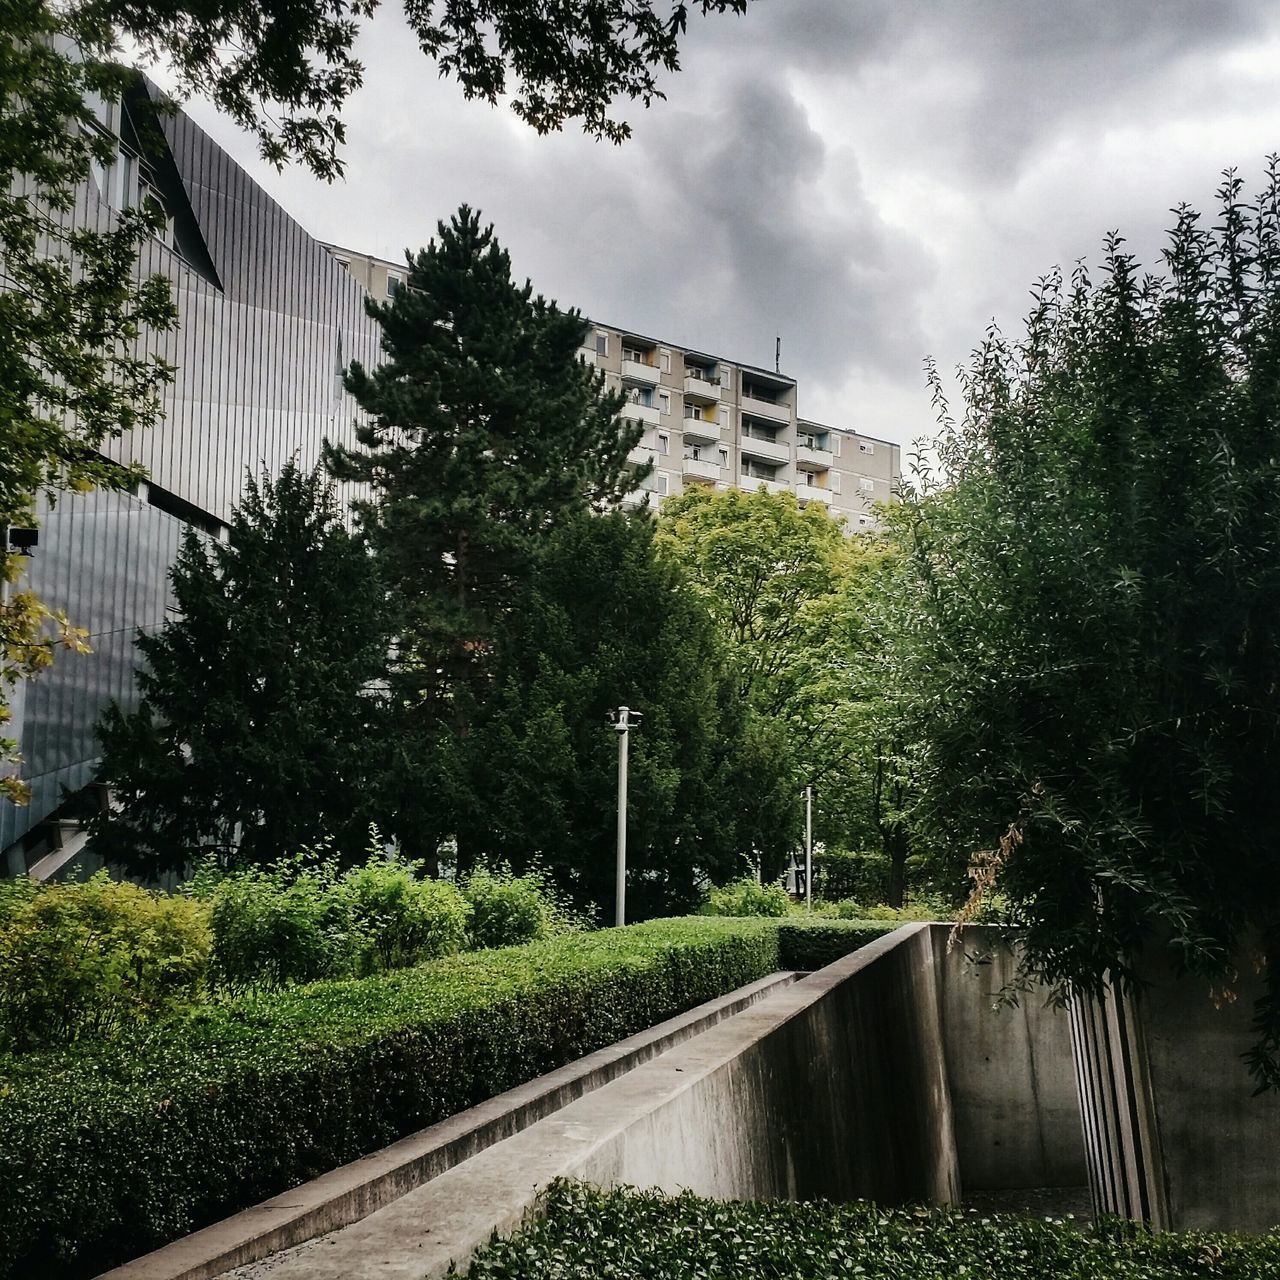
(872, 179)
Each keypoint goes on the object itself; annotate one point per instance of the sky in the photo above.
(872, 181)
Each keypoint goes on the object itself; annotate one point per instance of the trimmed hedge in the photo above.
(815, 943)
(586, 1232)
(109, 1150)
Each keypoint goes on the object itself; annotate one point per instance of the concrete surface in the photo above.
(353, 1191)
(838, 1086)
(1176, 1136)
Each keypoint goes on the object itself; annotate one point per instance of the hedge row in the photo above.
(109, 1150)
(586, 1231)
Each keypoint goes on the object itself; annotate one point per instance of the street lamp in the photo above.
(622, 720)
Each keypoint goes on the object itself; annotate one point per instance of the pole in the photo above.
(620, 893)
(808, 847)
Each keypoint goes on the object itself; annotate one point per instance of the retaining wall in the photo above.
(888, 1075)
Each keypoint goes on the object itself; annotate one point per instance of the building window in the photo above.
(662, 484)
(664, 360)
(664, 443)
(724, 457)
(758, 470)
(664, 401)
(833, 481)
(694, 412)
(866, 484)
(393, 285)
(602, 343)
(865, 446)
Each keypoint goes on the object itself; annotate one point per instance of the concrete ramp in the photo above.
(890, 1075)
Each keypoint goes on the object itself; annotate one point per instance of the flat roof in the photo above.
(847, 431)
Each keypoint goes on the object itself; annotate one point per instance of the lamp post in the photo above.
(622, 720)
(808, 847)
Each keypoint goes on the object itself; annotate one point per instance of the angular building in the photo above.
(267, 321)
(711, 421)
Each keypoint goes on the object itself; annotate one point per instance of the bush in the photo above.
(809, 944)
(838, 874)
(280, 925)
(108, 1152)
(85, 960)
(509, 909)
(585, 1231)
(747, 897)
(398, 919)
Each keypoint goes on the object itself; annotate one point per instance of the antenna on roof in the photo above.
(777, 354)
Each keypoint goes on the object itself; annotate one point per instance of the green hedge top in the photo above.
(586, 1231)
(108, 1150)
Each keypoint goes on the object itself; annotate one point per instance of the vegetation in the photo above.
(746, 896)
(509, 909)
(485, 433)
(583, 1232)
(1087, 624)
(603, 620)
(110, 1149)
(777, 580)
(88, 961)
(258, 732)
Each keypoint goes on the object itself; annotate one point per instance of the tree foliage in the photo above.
(485, 432)
(257, 734)
(778, 579)
(602, 622)
(1091, 627)
(284, 69)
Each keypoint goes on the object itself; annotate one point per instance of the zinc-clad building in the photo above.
(267, 321)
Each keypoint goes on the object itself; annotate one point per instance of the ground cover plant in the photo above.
(108, 1149)
(589, 1233)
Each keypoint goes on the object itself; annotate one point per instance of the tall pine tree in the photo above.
(257, 733)
(485, 433)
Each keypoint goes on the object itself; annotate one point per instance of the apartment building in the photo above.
(710, 421)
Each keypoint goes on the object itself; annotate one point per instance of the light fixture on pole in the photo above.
(623, 720)
(808, 847)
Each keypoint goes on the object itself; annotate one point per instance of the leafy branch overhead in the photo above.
(284, 69)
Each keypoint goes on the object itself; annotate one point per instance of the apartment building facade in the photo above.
(711, 421)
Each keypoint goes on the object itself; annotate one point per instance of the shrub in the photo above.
(83, 960)
(584, 1231)
(107, 1153)
(509, 909)
(398, 918)
(280, 925)
(809, 944)
(839, 874)
(747, 897)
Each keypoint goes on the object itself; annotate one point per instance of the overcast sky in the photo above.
(874, 180)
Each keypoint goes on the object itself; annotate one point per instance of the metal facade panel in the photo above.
(256, 385)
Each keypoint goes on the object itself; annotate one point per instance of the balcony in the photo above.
(700, 430)
(700, 389)
(701, 469)
(811, 493)
(649, 414)
(812, 459)
(752, 483)
(640, 374)
(587, 355)
(766, 409)
(642, 454)
(767, 450)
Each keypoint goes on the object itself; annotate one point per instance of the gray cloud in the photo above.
(873, 179)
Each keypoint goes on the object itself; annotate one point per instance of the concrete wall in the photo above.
(887, 1075)
(1176, 1137)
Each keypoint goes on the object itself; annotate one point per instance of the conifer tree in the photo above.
(256, 734)
(485, 433)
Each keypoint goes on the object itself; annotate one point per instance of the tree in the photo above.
(776, 578)
(485, 433)
(1090, 627)
(604, 621)
(284, 69)
(74, 369)
(258, 730)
